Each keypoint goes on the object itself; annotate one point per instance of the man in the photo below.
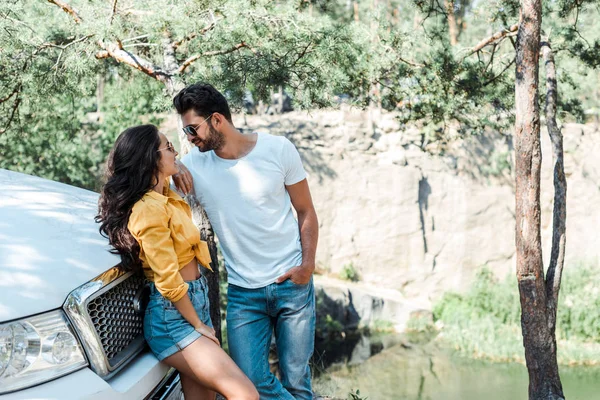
(248, 184)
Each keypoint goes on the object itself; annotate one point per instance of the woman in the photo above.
(150, 226)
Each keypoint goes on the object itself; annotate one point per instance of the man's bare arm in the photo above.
(308, 225)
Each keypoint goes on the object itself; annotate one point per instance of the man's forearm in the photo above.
(309, 236)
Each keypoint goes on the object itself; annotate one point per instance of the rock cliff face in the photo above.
(420, 223)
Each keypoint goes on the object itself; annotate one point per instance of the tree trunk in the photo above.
(206, 233)
(280, 101)
(452, 26)
(100, 92)
(538, 337)
(559, 218)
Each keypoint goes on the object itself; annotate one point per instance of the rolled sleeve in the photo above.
(150, 227)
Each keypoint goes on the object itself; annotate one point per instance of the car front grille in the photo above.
(116, 321)
(107, 314)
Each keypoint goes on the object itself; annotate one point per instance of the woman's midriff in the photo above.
(190, 271)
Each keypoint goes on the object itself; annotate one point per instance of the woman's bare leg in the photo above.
(195, 391)
(213, 369)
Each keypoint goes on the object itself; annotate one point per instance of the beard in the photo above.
(214, 141)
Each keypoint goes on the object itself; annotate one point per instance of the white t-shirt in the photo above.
(249, 208)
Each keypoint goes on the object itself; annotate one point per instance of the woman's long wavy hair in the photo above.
(131, 171)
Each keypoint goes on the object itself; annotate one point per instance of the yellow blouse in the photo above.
(168, 239)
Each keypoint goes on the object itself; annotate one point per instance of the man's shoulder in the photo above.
(269, 136)
(273, 141)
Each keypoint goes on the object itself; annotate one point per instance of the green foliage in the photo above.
(328, 327)
(450, 89)
(500, 162)
(349, 273)
(420, 324)
(65, 140)
(485, 298)
(579, 305)
(356, 396)
(485, 321)
(381, 326)
(57, 143)
(63, 99)
(397, 54)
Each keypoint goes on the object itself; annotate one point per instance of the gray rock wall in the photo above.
(421, 223)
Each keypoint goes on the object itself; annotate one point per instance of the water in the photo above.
(428, 372)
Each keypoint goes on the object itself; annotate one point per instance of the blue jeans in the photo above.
(252, 315)
(165, 329)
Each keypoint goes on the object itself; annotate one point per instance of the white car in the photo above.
(70, 321)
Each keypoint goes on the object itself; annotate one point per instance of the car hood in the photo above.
(49, 243)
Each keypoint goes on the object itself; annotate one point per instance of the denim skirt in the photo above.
(165, 329)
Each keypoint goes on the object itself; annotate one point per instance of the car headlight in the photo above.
(37, 349)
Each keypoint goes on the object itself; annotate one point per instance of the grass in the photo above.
(382, 326)
(485, 321)
(349, 273)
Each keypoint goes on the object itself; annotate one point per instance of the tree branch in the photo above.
(19, 22)
(408, 62)
(511, 31)
(191, 36)
(140, 45)
(114, 11)
(68, 9)
(491, 61)
(169, 58)
(557, 255)
(411, 63)
(500, 74)
(12, 114)
(201, 32)
(196, 57)
(302, 53)
(136, 38)
(18, 88)
(112, 50)
(15, 90)
(65, 46)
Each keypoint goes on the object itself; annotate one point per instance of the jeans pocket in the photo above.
(197, 299)
(168, 305)
(149, 318)
(300, 285)
(206, 306)
(172, 314)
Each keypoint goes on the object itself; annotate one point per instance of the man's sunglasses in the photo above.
(193, 130)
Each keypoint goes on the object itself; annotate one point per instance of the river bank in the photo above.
(468, 347)
(485, 321)
(436, 373)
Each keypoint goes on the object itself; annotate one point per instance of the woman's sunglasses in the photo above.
(169, 147)
(193, 130)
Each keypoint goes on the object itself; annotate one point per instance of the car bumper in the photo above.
(143, 378)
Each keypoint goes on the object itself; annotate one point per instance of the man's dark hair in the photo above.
(204, 99)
